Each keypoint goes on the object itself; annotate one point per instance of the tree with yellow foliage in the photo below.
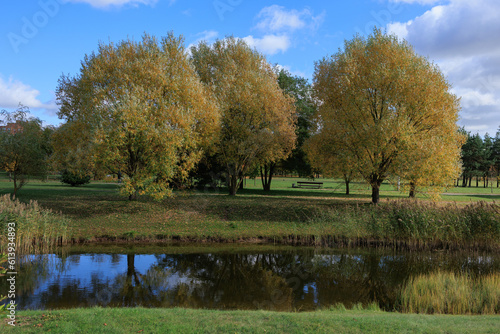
(257, 118)
(390, 110)
(141, 110)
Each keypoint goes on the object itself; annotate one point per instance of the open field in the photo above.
(336, 320)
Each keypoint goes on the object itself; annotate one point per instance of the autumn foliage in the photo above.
(257, 118)
(142, 112)
(386, 111)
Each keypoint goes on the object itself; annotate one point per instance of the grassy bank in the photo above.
(97, 213)
(337, 320)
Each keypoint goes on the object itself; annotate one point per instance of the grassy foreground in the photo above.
(141, 320)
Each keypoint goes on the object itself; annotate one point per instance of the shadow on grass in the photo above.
(103, 200)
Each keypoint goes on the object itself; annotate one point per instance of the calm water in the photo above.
(277, 279)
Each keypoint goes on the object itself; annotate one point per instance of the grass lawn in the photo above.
(141, 320)
(98, 212)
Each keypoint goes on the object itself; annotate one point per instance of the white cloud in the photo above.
(458, 28)
(269, 44)
(208, 36)
(13, 92)
(277, 19)
(399, 29)
(463, 38)
(419, 2)
(116, 3)
(280, 26)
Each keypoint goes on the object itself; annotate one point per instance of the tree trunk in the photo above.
(233, 176)
(375, 194)
(412, 189)
(477, 182)
(347, 180)
(15, 185)
(375, 182)
(464, 181)
(133, 196)
(19, 182)
(233, 185)
(266, 176)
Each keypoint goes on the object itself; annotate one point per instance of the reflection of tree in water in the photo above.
(289, 280)
(228, 281)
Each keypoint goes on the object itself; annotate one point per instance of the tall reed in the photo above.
(415, 223)
(36, 229)
(449, 293)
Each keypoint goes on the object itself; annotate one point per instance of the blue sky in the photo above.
(42, 39)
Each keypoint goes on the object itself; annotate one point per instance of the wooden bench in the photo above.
(303, 184)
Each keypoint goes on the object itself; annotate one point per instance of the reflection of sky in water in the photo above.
(84, 268)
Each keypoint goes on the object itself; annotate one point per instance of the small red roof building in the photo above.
(12, 127)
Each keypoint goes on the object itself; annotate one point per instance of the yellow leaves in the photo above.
(257, 118)
(388, 109)
(140, 105)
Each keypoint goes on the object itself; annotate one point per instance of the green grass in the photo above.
(281, 187)
(336, 320)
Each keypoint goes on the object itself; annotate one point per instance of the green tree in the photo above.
(141, 110)
(381, 100)
(23, 153)
(495, 156)
(301, 90)
(488, 159)
(257, 118)
(472, 158)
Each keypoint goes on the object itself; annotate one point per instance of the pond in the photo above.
(213, 277)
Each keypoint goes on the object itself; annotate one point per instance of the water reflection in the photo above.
(303, 279)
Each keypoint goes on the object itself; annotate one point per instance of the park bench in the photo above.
(303, 184)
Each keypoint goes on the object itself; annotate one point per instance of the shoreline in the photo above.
(291, 240)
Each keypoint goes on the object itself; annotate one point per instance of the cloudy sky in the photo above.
(42, 39)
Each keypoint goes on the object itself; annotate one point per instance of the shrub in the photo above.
(74, 179)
